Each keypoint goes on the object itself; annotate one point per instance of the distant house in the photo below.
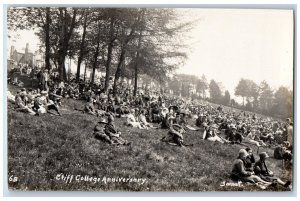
(23, 58)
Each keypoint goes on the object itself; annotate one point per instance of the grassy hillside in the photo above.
(41, 147)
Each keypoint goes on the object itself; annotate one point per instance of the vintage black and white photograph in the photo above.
(149, 99)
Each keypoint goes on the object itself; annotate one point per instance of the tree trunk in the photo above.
(81, 51)
(135, 79)
(95, 64)
(109, 53)
(85, 67)
(126, 40)
(64, 41)
(47, 39)
(96, 55)
(118, 71)
(136, 64)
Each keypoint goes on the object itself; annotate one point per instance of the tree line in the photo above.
(130, 42)
(260, 98)
(123, 42)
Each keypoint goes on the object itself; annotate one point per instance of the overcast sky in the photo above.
(231, 44)
(227, 45)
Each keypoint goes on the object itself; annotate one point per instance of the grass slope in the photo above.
(40, 147)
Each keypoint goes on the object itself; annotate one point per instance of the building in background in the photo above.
(21, 58)
(36, 58)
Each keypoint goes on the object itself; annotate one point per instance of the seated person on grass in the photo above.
(175, 135)
(212, 135)
(261, 169)
(90, 108)
(166, 122)
(283, 152)
(239, 172)
(233, 136)
(250, 160)
(112, 132)
(252, 138)
(21, 103)
(131, 120)
(143, 121)
(44, 105)
(99, 131)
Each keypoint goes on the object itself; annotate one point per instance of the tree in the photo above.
(283, 102)
(254, 93)
(266, 96)
(66, 24)
(226, 99)
(152, 49)
(85, 12)
(242, 90)
(215, 92)
(202, 86)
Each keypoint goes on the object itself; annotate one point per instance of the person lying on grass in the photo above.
(240, 173)
(112, 132)
(261, 170)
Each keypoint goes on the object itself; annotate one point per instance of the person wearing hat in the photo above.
(240, 173)
(261, 169)
(233, 137)
(112, 132)
(175, 135)
(212, 135)
(99, 131)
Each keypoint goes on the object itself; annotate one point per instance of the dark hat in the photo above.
(263, 155)
(174, 107)
(247, 149)
(110, 118)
